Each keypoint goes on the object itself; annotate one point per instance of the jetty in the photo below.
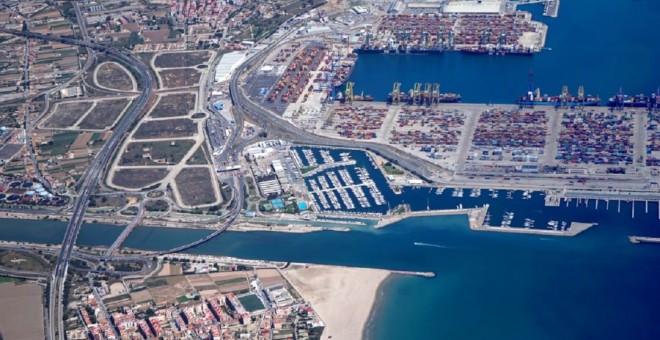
(574, 229)
(422, 274)
(643, 239)
(327, 166)
(425, 213)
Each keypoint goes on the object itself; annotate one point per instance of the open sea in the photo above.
(488, 285)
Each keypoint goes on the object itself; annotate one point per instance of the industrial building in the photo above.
(472, 6)
(227, 64)
(269, 185)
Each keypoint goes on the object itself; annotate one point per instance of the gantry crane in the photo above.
(396, 93)
(348, 92)
(436, 94)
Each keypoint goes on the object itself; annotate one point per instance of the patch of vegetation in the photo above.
(59, 144)
(183, 298)
(22, 261)
(4, 279)
(157, 205)
(230, 281)
(155, 282)
(307, 169)
(391, 169)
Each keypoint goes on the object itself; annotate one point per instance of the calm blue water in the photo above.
(599, 44)
(488, 285)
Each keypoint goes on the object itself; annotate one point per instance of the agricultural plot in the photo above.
(171, 128)
(9, 150)
(104, 114)
(173, 105)
(182, 77)
(184, 59)
(59, 144)
(113, 76)
(230, 281)
(155, 153)
(195, 186)
(203, 284)
(67, 114)
(138, 178)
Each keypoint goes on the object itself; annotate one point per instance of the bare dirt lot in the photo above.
(270, 277)
(113, 76)
(67, 114)
(186, 59)
(104, 114)
(171, 128)
(22, 314)
(156, 153)
(173, 105)
(183, 77)
(138, 178)
(168, 289)
(195, 186)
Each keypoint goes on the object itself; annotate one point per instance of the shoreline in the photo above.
(332, 290)
(378, 305)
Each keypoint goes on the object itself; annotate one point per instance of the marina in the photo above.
(534, 212)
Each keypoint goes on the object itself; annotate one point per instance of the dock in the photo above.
(643, 239)
(575, 229)
(425, 213)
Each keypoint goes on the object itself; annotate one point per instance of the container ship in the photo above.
(343, 70)
(441, 98)
(564, 99)
(640, 100)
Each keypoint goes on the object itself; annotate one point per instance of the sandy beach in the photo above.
(342, 296)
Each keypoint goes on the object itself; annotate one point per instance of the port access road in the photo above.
(276, 126)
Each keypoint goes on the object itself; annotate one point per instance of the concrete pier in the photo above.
(447, 212)
(643, 239)
(575, 229)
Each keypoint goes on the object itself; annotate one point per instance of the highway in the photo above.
(94, 172)
(278, 127)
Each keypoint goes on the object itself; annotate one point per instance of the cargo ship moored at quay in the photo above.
(622, 100)
(565, 99)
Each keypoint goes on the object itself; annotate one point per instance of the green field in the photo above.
(59, 144)
(251, 302)
(182, 299)
(230, 281)
(4, 279)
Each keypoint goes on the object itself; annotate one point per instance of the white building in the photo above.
(473, 6)
(227, 64)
